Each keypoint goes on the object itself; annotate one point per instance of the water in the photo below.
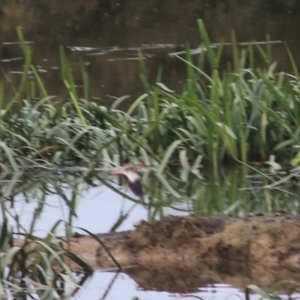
(91, 209)
(107, 35)
(126, 288)
(98, 208)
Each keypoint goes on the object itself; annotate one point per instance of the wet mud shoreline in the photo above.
(195, 251)
(271, 240)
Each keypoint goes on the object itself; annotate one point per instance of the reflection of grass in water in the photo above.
(43, 265)
(39, 267)
(218, 191)
(233, 191)
(264, 295)
(228, 191)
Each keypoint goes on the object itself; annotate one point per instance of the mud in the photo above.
(180, 254)
(187, 240)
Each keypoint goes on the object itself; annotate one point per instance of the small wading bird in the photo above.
(133, 178)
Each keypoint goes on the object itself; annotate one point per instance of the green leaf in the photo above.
(168, 155)
(227, 130)
(164, 87)
(136, 103)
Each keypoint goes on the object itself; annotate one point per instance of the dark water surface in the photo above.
(107, 35)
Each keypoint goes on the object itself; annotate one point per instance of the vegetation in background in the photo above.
(245, 111)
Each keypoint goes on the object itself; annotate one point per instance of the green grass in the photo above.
(240, 113)
(246, 112)
(28, 269)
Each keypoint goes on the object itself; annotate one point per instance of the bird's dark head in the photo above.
(133, 178)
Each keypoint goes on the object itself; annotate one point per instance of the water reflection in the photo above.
(126, 288)
(34, 201)
(96, 202)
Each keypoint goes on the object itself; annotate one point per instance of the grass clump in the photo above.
(245, 111)
(38, 268)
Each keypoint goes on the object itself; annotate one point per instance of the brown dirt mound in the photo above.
(182, 253)
(265, 239)
(260, 250)
(173, 231)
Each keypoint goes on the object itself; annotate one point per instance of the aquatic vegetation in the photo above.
(246, 111)
(241, 112)
(39, 268)
(228, 192)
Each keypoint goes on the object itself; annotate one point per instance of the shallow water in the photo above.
(126, 288)
(98, 208)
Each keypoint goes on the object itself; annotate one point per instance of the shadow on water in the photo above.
(33, 202)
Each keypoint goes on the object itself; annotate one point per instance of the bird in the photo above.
(132, 177)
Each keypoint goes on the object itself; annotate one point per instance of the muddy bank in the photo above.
(195, 251)
(270, 240)
(181, 254)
